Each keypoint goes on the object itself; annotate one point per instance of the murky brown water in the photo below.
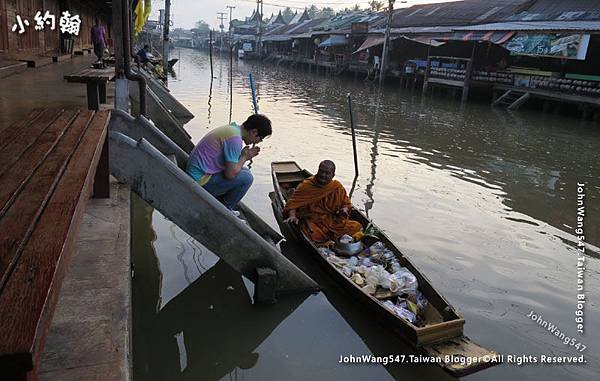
(482, 200)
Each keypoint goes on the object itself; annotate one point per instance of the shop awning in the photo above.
(370, 42)
(378, 40)
(427, 40)
(334, 40)
(276, 38)
(497, 37)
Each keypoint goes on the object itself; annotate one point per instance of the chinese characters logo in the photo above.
(67, 23)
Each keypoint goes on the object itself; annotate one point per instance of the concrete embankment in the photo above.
(90, 334)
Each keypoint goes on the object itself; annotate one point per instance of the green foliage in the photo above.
(376, 5)
(202, 26)
(327, 12)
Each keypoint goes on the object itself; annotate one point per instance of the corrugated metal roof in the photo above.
(559, 10)
(423, 29)
(536, 25)
(457, 13)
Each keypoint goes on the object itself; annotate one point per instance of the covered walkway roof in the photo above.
(535, 25)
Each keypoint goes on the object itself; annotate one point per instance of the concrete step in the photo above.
(61, 58)
(12, 68)
(37, 61)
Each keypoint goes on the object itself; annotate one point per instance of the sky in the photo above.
(185, 13)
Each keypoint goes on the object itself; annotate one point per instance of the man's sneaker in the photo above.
(238, 215)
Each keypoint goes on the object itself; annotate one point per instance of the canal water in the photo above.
(483, 201)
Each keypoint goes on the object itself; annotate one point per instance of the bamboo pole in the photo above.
(210, 36)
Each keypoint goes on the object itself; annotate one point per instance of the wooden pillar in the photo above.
(93, 96)
(467, 82)
(426, 77)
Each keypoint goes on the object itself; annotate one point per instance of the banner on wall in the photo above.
(557, 45)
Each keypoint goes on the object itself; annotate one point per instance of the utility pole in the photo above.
(231, 7)
(166, 36)
(386, 42)
(221, 17)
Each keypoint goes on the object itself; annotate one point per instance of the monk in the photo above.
(323, 203)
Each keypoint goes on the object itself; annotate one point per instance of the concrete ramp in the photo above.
(179, 111)
(161, 116)
(160, 182)
(140, 127)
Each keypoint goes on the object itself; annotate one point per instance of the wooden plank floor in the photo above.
(49, 171)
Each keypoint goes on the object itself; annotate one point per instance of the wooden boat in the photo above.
(440, 338)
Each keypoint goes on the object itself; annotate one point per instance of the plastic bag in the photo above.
(337, 261)
(358, 279)
(377, 275)
(347, 271)
(325, 251)
(377, 247)
(369, 289)
(406, 280)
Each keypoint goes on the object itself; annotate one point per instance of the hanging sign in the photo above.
(557, 45)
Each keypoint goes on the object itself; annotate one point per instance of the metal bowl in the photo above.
(348, 249)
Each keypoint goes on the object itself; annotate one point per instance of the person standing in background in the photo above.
(98, 34)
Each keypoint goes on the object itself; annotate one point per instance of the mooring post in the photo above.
(468, 71)
(353, 136)
(210, 52)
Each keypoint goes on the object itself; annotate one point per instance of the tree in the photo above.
(326, 12)
(356, 8)
(375, 5)
(202, 26)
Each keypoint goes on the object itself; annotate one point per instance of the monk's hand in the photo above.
(343, 212)
(292, 218)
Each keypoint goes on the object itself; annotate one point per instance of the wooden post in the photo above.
(101, 178)
(102, 91)
(210, 36)
(93, 96)
(467, 82)
(386, 42)
(121, 86)
(353, 136)
(166, 28)
(427, 69)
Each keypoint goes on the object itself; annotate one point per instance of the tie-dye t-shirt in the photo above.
(221, 145)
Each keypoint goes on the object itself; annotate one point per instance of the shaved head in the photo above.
(325, 173)
(327, 164)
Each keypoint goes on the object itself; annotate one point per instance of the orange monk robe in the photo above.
(318, 206)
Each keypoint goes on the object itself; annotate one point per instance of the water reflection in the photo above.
(208, 330)
(373, 157)
(483, 201)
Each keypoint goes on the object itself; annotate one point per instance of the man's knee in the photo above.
(245, 177)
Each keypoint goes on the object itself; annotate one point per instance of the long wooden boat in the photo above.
(440, 337)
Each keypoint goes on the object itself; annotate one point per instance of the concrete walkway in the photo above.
(44, 87)
(90, 335)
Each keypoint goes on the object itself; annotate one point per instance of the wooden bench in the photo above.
(95, 79)
(50, 162)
